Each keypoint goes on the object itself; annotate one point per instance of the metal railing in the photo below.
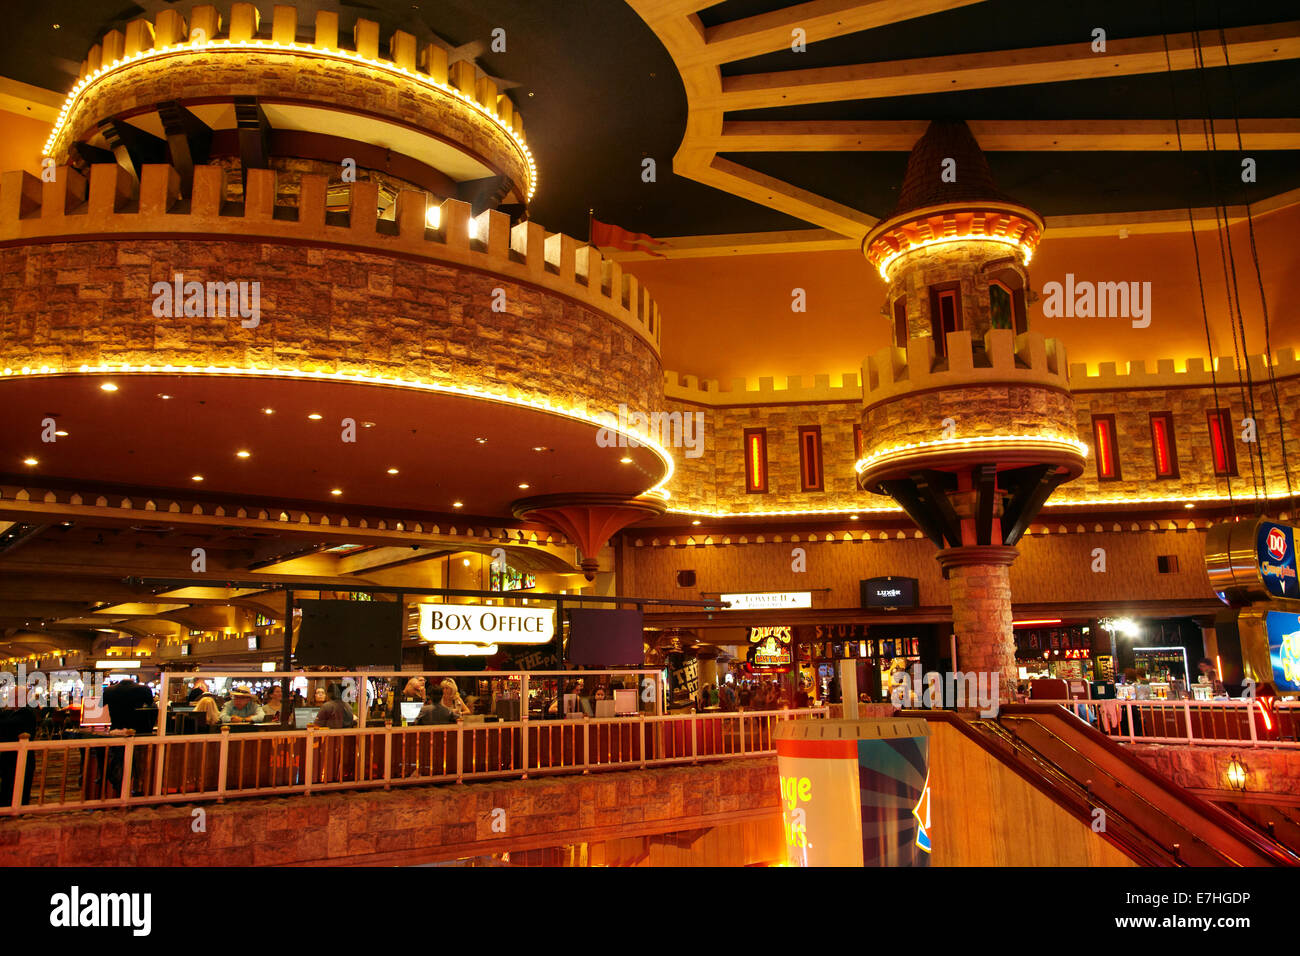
(117, 771)
(1262, 722)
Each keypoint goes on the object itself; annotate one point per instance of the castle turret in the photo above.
(968, 421)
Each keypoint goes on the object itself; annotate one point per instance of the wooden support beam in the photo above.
(189, 140)
(986, 486)
(1009, 135)
(132, 147)
(819, 19)
(1032, 487)
(971, 71)
(254, 135)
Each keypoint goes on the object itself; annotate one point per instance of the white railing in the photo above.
(134, 770)
(1237, 723)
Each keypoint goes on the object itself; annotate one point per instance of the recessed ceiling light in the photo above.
(392, 471)
(268, 411)
(540, 448)
(108, 387)
(29, 461)
(1189, 505)
(336, 491)
(853, 517)
(481, 441)
(367, 424)
(164, 396)
(523, 484)
(458, 504)
(625, 461)
(196, 477)
(61, 434)
(315, 416)
(696, 521)
(243, 454)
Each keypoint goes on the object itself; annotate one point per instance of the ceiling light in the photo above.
(853, 517)
(696, 521)
(433, 217)
(367, 424)
(29, 461)
(61, 434)
(523, 484)
(1188, 505)
(539, 448)
(392, 471)
(458, 504)
(164, 396)
(196, 477)
(336, 491)
(465, 561)
(481, 441)
(268, 411)
(108, 387)
(315, 416)
(243, 454)
(625, 461)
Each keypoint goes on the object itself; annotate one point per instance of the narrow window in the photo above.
(900, 321)
(1163, 450)
(857, 443)
(756, 460)
(810, 457)
(1225, 455)
(945, 314)
(1000, 306)
(1104, 442)
(1167, 564)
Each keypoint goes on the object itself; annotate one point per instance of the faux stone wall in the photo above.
(402, 826)
(975, 411)
(981, 620)
(942, 264)
(325, 309)
(1205, 768)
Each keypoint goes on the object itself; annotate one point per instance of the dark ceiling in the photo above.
(599, 93)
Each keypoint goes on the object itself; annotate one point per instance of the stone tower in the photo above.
(968, 422)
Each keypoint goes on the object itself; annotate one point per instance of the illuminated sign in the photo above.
(770, 652)
(1284, 649)
(768, 600)
(1277, 564)
(888, 592)
(472, 629)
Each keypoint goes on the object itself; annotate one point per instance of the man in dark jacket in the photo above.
(124, 701)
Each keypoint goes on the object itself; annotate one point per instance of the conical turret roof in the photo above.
(923, 184)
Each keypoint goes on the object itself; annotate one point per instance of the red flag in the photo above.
(604, 234)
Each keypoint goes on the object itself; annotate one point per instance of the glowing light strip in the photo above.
(659, 490)
(1045, 441)
(885, 263)
(223, 46)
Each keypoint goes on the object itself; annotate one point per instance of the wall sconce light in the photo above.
(1236, 773)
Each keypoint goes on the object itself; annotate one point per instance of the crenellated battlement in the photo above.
(1195, 372)
(209, 55)
(108, 204)
(1028, 358)
(763, 391)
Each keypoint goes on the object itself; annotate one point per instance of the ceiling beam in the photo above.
(819, 19)
(1019, 67)
(782, 196)
(1011, 135)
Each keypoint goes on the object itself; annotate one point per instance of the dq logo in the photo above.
(1276, 543)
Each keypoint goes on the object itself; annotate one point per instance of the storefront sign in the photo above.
(888, 592)
(770, 650)
(768, 600)
(1277, 564)
(839, 632)
(1284, 649)
(471, 629)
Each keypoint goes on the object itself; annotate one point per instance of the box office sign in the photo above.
(768, 600)
(472, 629)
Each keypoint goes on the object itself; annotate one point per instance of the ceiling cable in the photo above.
(1191, 227)
(1270, 361)
(1228, 262)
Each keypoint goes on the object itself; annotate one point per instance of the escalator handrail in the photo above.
(1050, 788)
(1204, 807)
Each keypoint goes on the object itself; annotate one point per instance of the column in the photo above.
(979, 582)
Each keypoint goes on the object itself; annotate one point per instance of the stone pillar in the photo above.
(979, 582)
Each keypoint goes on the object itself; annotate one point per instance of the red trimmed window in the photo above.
(945, 314)
(810, 457)
(1105, 447)
(1221, 444)
(756, 460)
(1164, 450)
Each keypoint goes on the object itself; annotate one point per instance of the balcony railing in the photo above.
(1262, 722)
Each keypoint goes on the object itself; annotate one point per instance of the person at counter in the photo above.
(333, 714)
(1209, 676)
(124, 700)
(274, 703)
(242, 708)
(435, 712)
(415, 690)
(197, 691)
(206, 714)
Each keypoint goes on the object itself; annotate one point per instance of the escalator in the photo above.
(1152, 819)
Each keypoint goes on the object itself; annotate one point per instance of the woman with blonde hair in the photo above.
(205, 710)
(451, 698)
